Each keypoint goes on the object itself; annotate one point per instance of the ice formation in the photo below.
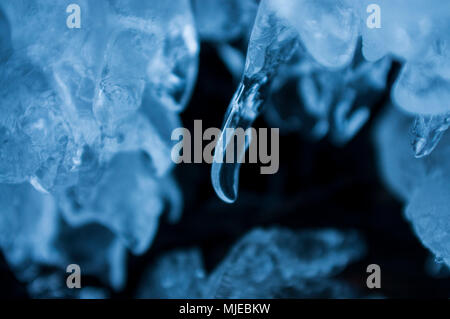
(87, 115)
(86, 100)
(265, 263)
(85, 129)
(270, 45)
(422, 183)
(224, 20)
(34, 236)
(176, 275)
(313, 45)
(278, 36)
(303, 57)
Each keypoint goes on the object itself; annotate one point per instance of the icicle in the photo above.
(427, 132)
(272, 43)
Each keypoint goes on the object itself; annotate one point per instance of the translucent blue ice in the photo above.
(85, 130)
(176, 275)
(104, 84)
(314, 37)
(265, 263)
(333, 81)
(275, 262)
(87, 114)
(416, 33)
(133, 215)
(54, 286)
(223, 20)
(422, 183)
(271, 43)
(34, 235)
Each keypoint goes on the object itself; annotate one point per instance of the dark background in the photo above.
(317, 185)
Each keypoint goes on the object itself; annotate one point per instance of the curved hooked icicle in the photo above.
(272, 43)
(242, 112)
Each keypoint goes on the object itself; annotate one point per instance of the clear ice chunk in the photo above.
(134, 215)
(419, 89)
(329, 29)
(416, 33)
(265, 263)
(276, 262)
(421, 182)
(107, 80)
(428, 211)
(36, 138)
(86, 120)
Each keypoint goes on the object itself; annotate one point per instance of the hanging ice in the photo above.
(328, 31)
(272, 42)
(276, 36)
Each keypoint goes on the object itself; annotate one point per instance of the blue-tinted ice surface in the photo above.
(305, 53)
(423, 183)
(85, 130)
(224, 20)
(175, 275)
(87, 116)
(114, 85)
(314, 45)
(265, 263)
(34, 235)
